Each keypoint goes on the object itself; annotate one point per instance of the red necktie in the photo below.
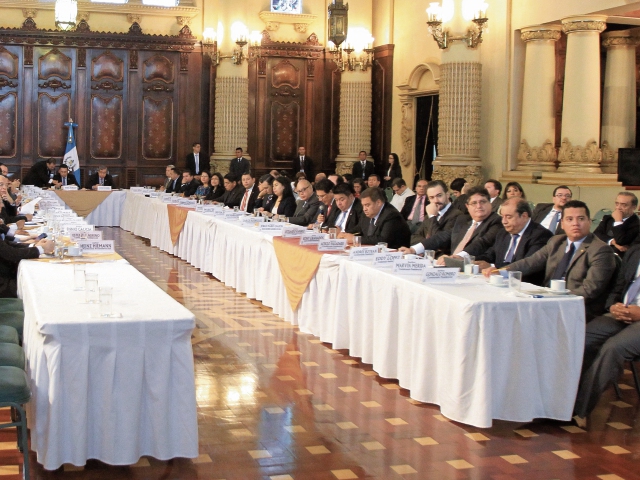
(243, 206)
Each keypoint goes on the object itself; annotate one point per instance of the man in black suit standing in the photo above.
(41, 173)
(174, 181)
(101, 178)
(197, 162)
(362, 168)
(303, 164)
(189, 184)
(435, 232)
(621, 228)
(307, 209)
(494, 187)
(233, 192)
(250, 194)
(381, 221)
(347, 213)
(611, 339)
(520, 238)
(549, 215)
(62, 178)
(239, 165)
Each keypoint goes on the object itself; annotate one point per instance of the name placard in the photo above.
(312, 238)
(78, 228)
(105, 188)
(69, 187)
(153, 194)
(250, 220)
(386, 259)
(199, 208)
(293, 232)
(166, 199)
(233, 216)
(175, 200)
(409, 267)
(212, 209)
(335, 245)
(362, 253)
(97, 246)
(136, 189)
(78, 235)
(272, 228)
(187, 202)
(439, 275)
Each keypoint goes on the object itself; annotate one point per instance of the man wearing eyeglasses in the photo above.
(308, 205)
(549, 214)
(620, 229)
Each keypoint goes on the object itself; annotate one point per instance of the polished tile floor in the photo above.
(277, 404)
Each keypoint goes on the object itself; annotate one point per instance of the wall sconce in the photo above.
(342, 56)
(338, 22)
(66, 12)
(209, 45)
(255, 42)
(474, 10)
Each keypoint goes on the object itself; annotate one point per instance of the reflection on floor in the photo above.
(277, 404)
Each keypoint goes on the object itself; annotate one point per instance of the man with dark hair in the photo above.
(621, 228)
(456, 186)
(374, 180)
(520, 238)
(348, 212)
(167, 172)
(327, 208)
(102, 178)
(494, 187)
(41, 173)
(265, 192)
(549, 215)
(303, 163)
(62, 178)
(307, 207)
(335, 179)
(581, 259)
(250, 194)
(239, 165)
(233, 191)
(362, 168)
(381, 221)
(197, 162)
(400, 193)
(414, 208)
(189, 184)
(174, 181)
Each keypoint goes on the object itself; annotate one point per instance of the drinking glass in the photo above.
(91, 291)
(106, 298)
(78, 276)
(236, 209)
(333, 233)
(515, 281)
(357, 241)
(382, 247)
(430, 255)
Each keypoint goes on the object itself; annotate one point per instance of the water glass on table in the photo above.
(91, 291)
(357, 241)
(333, 233)
(78, 276)
(382, 247)
(515, 281)
(106, 299)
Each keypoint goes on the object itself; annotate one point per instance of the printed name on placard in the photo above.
(362, 253)
(69, 187)
(136, 189)
(439, 275)
(166, 199)
(175, 200)
(212, 209)
(312, 238)
(272, 228)
(251, 220)
(334, 245)
(78, 228)
(77, 235)
(104, 188)
(386, 259)
(199, 208)
(187, 202)
(233, 215)
(409, 267)
(99, 246)
(293, 232)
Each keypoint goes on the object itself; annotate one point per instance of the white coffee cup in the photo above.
(73, 251)
(558, 285)
(410, 256)
(496, 280)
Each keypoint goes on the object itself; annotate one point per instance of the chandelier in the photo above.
(66, 12)
(471, 10)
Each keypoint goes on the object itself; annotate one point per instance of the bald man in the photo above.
(308, 205)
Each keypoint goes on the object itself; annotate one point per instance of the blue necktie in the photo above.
(561, 270)
(632, 291)
(553, 226)
(512, 249)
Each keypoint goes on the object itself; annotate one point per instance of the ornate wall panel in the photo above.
(285, 122)
(285, 74)
(53, 112)
(106, 127)
(8, 117)
(54, 64)
(106, 66)
(157, 128)
(158, 68)
(8, 63)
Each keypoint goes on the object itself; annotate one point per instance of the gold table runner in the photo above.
(83, 202)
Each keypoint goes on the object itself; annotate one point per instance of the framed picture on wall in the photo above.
(286, 6)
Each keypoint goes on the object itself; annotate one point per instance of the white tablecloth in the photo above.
(479, 354)
(107, 389)
(108, 213)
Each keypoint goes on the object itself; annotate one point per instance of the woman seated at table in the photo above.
(216, 187)
(285, 202)
(513, 189)
(203, 190)
(266, 198)
(357, 186)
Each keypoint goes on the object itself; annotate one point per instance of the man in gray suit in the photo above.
(308, 205)
(585, 262)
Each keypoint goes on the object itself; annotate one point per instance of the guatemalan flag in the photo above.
(71, 152)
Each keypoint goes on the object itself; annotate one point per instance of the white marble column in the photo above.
(580, 150)
(355, 121)
(619, 102)
(538, 127)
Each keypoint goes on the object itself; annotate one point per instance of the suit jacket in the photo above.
(308, 167)
(108, 181)
(188, 189)
(540, 213)
(353, 220)
(356, 171)
(287, 206)
(204, 163)
(460, 203)
(625, 277)
(7, 218)
(174, 186)
(624, 234)
(38, 175)
(436, 235)
(71, 179)
(10, 255)
(232, 198)
(589, 274)
(495, 205)
(265, 202)
(533, 239)
(215, 194)
(237, 168)
(483, 237)
(306, 212)
(409, 203)
(396, 172)
(390, 228)
(251, 201)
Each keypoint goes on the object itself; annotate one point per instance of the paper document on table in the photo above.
(30, 207)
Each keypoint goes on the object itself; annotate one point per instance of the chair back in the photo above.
(389, 192)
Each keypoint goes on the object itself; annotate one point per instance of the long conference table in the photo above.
(468, 347)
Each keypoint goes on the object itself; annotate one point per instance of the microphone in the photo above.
(321, 209)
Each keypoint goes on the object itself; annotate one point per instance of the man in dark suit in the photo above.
(189, 184)
(520, 238)
(62, 178)
(414, 208)
(327, 208)
(198, 162)
(234, 192)
(494, 187)
(435, 232)
(347, 213)
(549, 214)
(621, 228)
(250, 194)
(473, 236)
(41, 173)
(585, 262)
(303, 164)
(102, 178)
(239, 165)
(611, 339)
(381, 221)
(362, 169)
(174, 181)
(307, 209)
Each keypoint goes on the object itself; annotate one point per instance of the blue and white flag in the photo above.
(71, 152)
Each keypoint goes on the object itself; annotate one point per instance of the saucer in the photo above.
(504, 285)
(558, 292)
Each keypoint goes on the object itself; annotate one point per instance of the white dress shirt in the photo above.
(546, 223)
(341, 221)
(399, 199)
(418, 247)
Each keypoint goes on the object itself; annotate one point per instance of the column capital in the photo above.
(584, 23)
(541, 32)
(624, 38)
